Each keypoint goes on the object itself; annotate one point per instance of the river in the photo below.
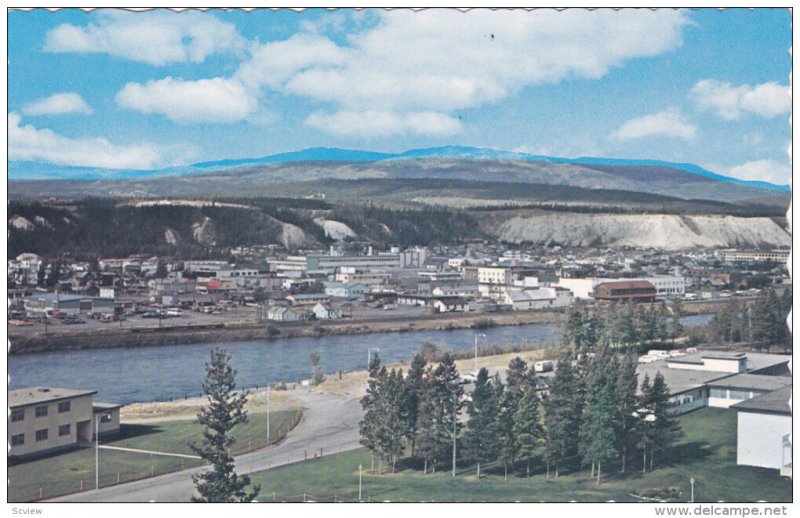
(139, 374)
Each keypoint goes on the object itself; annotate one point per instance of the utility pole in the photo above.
(268, 395)
(476, 351)
(97, 452)
(455, 424)
(691, 481)
(359, 482)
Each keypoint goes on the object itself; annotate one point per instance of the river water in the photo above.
(135, 374)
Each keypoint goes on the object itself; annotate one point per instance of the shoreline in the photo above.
(30, 343)
(188, 335)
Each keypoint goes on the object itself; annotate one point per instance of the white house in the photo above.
(325, 312)
(283, 314)
(450, 305)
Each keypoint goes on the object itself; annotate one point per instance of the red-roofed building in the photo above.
(640, 291)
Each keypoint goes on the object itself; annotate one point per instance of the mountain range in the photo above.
(628, 168)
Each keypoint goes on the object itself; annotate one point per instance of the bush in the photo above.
(484, 323)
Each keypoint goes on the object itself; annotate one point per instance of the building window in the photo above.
(18, 440)
(41, 410)
(64, 406)
(63, 430)
(719, 393)
(18, 415)
(41, 435)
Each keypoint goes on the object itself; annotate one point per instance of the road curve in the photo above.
(329, 425)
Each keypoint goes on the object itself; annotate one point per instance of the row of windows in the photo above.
(18, 414)
(41, 435)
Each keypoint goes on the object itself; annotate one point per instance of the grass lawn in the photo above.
(707, 452)
(62, 474)
(175, 436)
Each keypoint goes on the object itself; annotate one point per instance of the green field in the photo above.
(175, 436)
(62, 474)
(707, 452)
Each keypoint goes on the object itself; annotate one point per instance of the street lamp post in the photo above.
(476, 351)
(359, 482)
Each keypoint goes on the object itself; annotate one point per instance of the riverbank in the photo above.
(238, 332)
(75, 339)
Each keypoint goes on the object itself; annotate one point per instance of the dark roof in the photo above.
(37, 395)
(775, 402)
(760, 382)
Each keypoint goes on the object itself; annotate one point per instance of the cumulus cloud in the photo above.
(205, 100)
(442, 60)
(668, 123)
(383, 124)
(730, 102)
(26, 142)
(156, 37)
(58, 104)
(771, 171)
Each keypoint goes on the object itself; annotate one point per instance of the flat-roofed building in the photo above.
(774, 256)
(45, 420)
(741, 387)
(689, 377)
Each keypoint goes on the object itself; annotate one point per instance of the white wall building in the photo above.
(764, 427)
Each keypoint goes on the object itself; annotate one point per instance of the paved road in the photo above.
(330, 422)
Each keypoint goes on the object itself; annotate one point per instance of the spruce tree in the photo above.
(482, 435)
(675, 326)
(563, 412)
(438, 412)
(413, 393)
(627, 402)
(225, 409)
(666, 427)
(599, 426)
(528, 430)
(369, 426)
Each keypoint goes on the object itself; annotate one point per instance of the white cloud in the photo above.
(204, 100)
(442, 60)
(771, 171)
(384, 124)
(26, 142)
(731, 102)
(58, 104)
(668, 123)
(156, 37)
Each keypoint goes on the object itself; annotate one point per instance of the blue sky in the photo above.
(148, 90)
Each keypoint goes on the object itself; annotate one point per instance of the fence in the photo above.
(38, 483)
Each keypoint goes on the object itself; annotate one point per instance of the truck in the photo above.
(543, 366)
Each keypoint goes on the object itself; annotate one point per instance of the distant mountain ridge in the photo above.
(19, 170)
